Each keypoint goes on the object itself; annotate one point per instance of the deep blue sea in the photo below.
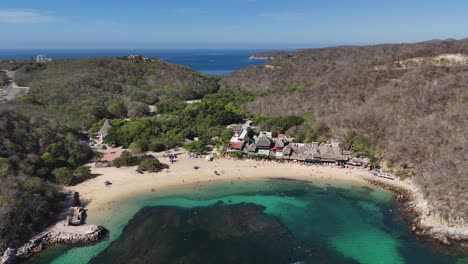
(219, 62)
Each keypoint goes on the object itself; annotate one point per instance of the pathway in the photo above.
(11, 90)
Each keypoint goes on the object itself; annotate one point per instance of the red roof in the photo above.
(236, 145)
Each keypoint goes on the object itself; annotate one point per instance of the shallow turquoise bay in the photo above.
(350, 224)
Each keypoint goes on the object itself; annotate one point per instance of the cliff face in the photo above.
(409, 100)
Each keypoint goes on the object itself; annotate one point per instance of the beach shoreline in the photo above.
(127, 183)
(101, 200)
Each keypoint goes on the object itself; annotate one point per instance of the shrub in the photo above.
(196, 146)
(81, 174)
(63, 176)
(236, 154)
(401, 174)
(150, 164)
(126, 159)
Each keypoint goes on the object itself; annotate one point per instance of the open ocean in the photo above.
(268, 221)
(219, 62)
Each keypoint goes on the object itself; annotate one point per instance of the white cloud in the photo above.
(23, 17)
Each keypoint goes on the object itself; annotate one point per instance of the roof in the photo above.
(279, 143)
(243, 134)
(264, 142)
(313, 154)
(236, 145)
(105, 128)
(251, 147)
(287, 150)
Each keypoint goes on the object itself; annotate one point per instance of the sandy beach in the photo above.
(126, 182)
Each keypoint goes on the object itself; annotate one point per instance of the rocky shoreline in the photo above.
(425, 221)
(69, 230)
(85, 235)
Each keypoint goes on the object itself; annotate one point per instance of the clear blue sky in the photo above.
(226, 23)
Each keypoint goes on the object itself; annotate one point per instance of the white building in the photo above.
(42, 58)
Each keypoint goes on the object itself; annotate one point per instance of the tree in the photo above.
(126, 159)
(63, 176)
(226, 136)
(195, 146)
(5, 166)
(136, 147)
(81, 174)
(150, 164)
(116, 109)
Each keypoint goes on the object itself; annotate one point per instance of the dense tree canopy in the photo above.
(34, 153)
(206, 119)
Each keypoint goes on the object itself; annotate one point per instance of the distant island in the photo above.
(267, 55)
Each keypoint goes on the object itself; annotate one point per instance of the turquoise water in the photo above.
(348, 224)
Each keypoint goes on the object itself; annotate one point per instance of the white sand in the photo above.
(127, 183)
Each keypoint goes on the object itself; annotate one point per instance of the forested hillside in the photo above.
(408, 101)
(84, 91)
(40, 133)
(35, 152)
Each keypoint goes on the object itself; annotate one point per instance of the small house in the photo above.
(251, 148)
(264, 145)
(42, 59)
(102, 133)
(278, 148)
(235, 146)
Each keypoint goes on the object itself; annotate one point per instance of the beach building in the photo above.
(283, 148)
(314, 153)
(250, 148)
(237, 141)
(102, 133)
(264, 144)
(279, 147)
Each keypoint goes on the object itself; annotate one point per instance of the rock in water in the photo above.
(216, 234)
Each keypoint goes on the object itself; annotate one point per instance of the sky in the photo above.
(241, 24)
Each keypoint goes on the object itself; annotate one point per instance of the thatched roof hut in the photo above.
(264, 142)
(250, 148)
(279, 143)
(104, 129)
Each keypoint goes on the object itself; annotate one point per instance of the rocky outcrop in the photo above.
(9, 257)
(39, 243)
(425, 221)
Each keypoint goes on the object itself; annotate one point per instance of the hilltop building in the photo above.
(42, 59)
